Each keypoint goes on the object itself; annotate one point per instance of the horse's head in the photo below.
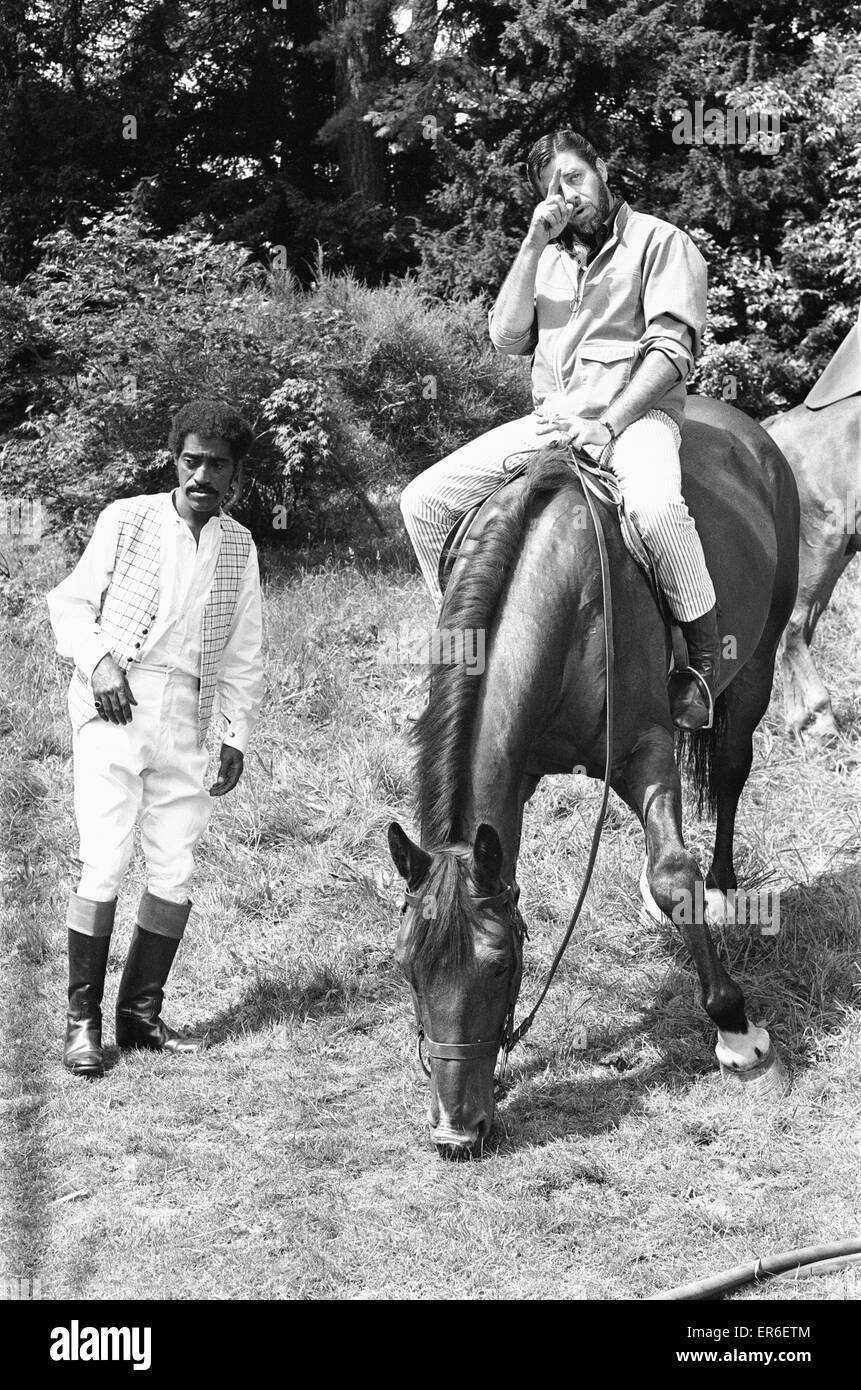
(461, 948)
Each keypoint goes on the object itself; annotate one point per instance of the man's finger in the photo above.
(225, 783)
(555, 182)
(126, 699)
(110, 708)
(118, 705)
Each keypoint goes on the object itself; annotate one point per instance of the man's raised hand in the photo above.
(112, 692)
(550, 216)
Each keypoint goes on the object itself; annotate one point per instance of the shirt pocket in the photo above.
(603, 371)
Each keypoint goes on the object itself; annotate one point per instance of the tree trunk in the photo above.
(422, 35)
(361, 156)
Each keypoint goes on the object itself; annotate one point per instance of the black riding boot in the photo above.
(692, 689)
(147, 967)
(88, 960)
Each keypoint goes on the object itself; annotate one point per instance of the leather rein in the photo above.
(506, 899)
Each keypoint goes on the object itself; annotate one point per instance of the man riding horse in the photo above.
(612, 305)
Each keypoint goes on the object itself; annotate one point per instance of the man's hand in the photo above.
(112, 693)
(550, 216)
(229, 771)
(589, 435)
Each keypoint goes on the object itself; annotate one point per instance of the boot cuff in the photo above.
(90, 918)
(161, 917)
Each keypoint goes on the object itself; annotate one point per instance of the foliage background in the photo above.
(330, 273)
(321, 200)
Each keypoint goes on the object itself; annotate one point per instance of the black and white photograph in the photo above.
(430, 821)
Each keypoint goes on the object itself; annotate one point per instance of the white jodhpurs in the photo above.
(151, 770)
(644, 458)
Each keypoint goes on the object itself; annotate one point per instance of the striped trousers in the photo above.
(645, 460)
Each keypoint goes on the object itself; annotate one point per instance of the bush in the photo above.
(350, 390)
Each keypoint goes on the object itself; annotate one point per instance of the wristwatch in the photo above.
(609, 428)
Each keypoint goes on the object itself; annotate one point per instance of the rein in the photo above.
(609, 668)
(507, 898)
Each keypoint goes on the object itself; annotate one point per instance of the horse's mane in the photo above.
(443, 731)
(442, 933)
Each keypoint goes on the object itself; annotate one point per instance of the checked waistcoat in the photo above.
(130, 602)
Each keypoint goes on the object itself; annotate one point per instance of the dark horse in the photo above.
(484, 741)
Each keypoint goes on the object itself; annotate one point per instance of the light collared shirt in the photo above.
(174, 640)
(644, 290)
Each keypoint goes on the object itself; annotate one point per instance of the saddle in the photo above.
(464, 538)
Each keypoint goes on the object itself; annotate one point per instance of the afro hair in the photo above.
(214, 419)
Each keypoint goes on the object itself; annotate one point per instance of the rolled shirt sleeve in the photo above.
(674, 289)
(75, 603)
(239, 687)
(515, 344)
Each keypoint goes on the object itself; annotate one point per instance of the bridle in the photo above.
(505, 901)
(507, 898)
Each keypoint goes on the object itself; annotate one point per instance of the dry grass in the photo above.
(292, 1160)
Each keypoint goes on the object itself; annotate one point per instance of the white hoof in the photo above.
(768, 1080)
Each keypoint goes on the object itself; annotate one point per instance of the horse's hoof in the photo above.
(820, 732)
(768, 1080)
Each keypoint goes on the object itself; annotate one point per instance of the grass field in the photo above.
(292, 1159)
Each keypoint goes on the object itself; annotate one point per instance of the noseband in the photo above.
(505, 901)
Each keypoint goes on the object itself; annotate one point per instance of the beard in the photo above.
(586, 232)
(588, 225)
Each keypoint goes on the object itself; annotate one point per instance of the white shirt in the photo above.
(186, 574)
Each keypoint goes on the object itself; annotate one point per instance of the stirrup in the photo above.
(704, 687)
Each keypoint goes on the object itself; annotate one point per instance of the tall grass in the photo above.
(292, 1158)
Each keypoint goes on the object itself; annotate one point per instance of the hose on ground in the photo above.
(828, 1257)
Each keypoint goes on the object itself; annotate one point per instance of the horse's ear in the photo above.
(411, 861)
(487, 858)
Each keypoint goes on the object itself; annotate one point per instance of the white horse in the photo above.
(822, 441)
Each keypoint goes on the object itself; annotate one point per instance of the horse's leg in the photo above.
(650, 784)
(527, 788)
(525, 791)
(825, 553)
(747, 699)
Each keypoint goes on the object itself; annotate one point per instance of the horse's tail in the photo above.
(696, 754)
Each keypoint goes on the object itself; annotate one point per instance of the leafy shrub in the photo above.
(350, 390)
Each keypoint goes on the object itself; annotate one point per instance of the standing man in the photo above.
(611, 304)
(162, 618)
